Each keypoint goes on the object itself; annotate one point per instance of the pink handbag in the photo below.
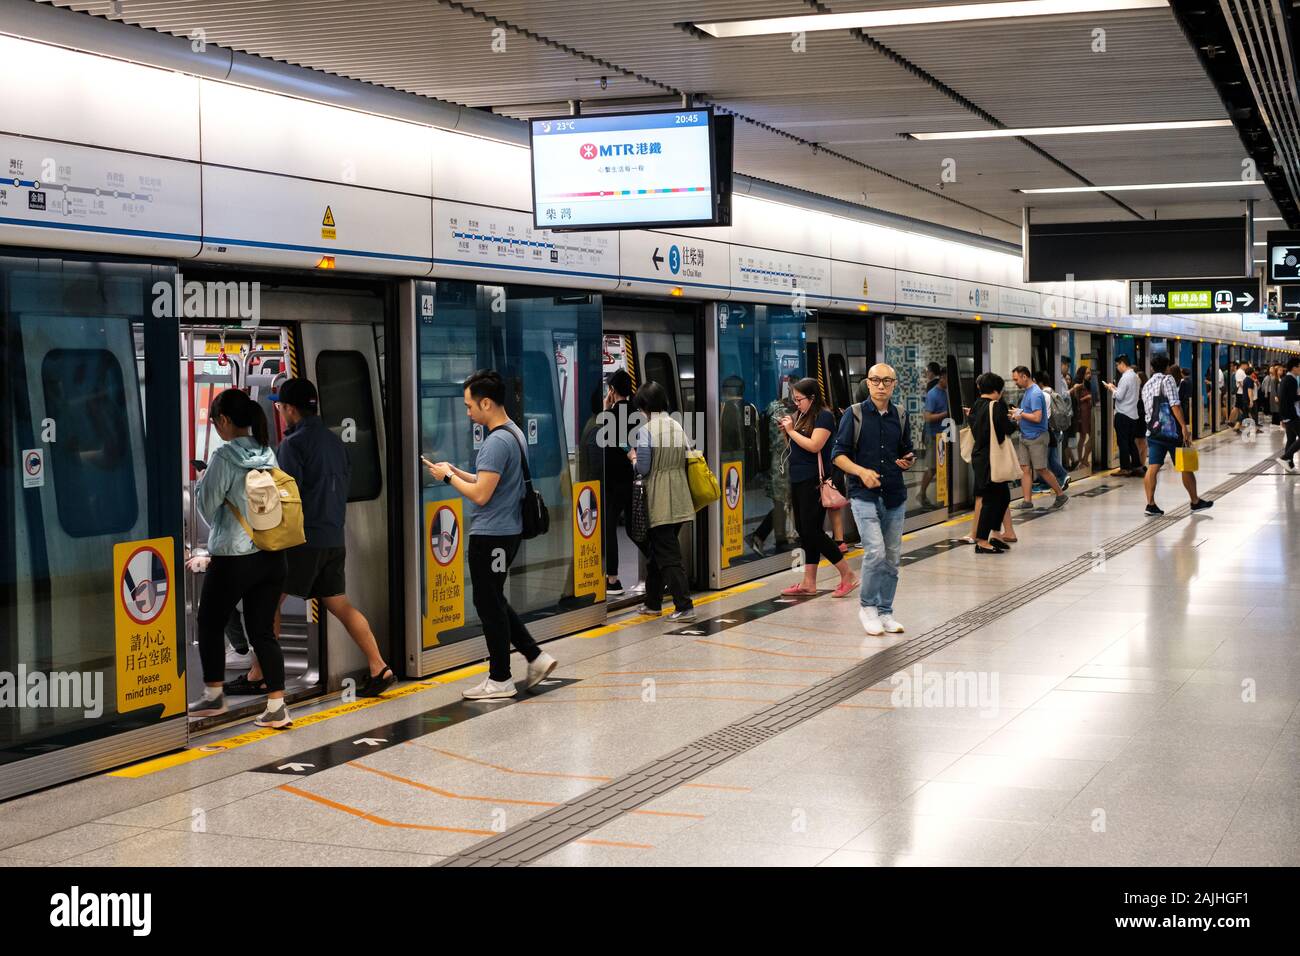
(831, 497)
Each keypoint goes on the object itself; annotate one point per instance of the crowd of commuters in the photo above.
(863, 452)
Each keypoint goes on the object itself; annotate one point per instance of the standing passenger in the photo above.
(496, 489)
(809, 435)
(1127, 423)
(1081, 392)
(1032, 417)
(1289, 405)
(1168, 431)
(617, 480)
(317, 460)
(936, 411)
(873, 447)
(239, 570)
(660, 458)
(988, 428)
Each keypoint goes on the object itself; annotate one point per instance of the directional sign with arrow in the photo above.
(1195, 296)
(656, 258)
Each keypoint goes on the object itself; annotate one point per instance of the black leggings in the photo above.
(257, 579)
(490, 557)
(995, 498)
(810, 520)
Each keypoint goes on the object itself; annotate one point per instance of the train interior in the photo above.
(337, 340)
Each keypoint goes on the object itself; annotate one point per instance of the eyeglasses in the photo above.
(801, 398)
(882, 381)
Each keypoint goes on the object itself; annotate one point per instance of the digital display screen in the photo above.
(632, 170)
(1260, 322)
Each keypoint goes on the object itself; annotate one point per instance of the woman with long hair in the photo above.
(808, 433)
(239, 570)
(989, 423)
(1081, 393)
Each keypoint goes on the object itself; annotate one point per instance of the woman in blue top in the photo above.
(238, 570)
(809, 434)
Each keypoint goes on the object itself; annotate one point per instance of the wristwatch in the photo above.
(446, 479)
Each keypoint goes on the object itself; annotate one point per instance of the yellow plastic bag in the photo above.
(1186, 459)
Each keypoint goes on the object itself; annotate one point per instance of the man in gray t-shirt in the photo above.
(495, 489)
(499, 454)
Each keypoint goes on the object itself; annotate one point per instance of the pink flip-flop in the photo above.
(797, 589)
(845, 588)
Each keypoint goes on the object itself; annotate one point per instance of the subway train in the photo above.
(382, 245)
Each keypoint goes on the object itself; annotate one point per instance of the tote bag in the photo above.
(1004, 464)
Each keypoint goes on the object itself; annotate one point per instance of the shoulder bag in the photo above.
(532, 509)
(1004, 463)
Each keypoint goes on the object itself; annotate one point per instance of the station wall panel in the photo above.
(60, 94)
(98, 200)
(281, 221)
(500, 245)
(252, 129)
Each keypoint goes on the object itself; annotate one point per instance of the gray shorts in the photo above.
(1033, 451)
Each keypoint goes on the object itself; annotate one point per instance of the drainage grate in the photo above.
(574, 820)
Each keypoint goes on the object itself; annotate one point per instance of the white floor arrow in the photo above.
(295, 767)
(372, 741)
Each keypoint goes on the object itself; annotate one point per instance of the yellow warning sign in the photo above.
(327, 225)
(444, 569)
(148, 653)
(214, 347)
(733, 511)
(588, 575)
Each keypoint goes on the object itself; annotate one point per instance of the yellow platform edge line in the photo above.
(202, 750)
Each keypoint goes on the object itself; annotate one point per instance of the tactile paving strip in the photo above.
(576, 819)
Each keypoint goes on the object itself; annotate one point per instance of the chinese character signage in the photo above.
(588, 573)
(148, 652)
(444, 569)
(733, 511)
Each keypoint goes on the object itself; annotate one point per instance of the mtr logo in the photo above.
(591, 150)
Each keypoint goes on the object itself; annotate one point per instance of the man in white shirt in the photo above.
(1127, 424)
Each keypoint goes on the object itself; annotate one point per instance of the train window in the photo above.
(343, 379)
(839, 379)
(91, 463)
(659, 368)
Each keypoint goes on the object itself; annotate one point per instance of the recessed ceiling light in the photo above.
(1064, 130)
(870, 19)
(1226, 184)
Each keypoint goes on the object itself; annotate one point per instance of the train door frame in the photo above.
(384, 291)
(47, 767)
(638, 369)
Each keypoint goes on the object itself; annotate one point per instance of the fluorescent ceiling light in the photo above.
(1062, 130)
(870, 19)
(1261, 243)
(1226, 184)
(1268, 218)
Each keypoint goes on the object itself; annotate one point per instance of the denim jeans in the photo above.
(1054, 463)
(881, 530)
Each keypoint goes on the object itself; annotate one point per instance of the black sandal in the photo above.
(376, 684)
(242, 686)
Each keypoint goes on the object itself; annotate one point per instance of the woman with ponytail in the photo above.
(809, 433)
(239, 571)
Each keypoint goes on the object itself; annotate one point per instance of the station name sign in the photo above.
(1195, 296)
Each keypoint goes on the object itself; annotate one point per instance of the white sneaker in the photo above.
(890, 625)
(539, 670)
(870, 621)
(491, 690)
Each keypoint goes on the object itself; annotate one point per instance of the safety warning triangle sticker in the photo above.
(329, 217)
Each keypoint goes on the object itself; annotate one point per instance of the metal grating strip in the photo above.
(573, 820)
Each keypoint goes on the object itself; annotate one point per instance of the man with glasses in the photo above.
(873, 447)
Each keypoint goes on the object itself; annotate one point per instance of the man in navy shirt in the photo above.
(873, 447)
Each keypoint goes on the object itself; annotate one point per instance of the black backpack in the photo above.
(536, 519)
